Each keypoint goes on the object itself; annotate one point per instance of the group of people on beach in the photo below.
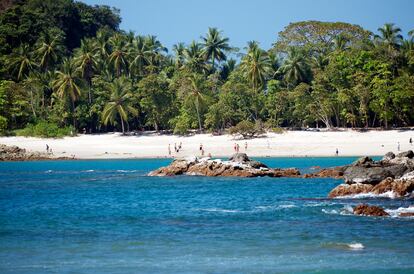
(176, 148)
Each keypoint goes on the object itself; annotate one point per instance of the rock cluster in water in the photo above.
(15, 153)
(239, 165)
(369, 210)
(393, 176)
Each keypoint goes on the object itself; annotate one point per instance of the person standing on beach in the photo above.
(169, 150)
(245, 146)
(398, 147)
(175, 147)
(179, 146)
(47, 148)
(411, 141)
(201, 147)
(336, 152)
(235, 147)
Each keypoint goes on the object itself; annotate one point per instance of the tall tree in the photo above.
(49, 48)
(295, 68)
(21, 61)
(86, 62)
(119, 55)
(215, 46)
(256, 66)
(390, 36)
(67, 84)
(120, 103)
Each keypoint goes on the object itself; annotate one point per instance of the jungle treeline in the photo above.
(67, 65)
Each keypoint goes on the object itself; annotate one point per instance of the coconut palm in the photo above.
(86, 61)
(139, 54)
(119, 55)
(215, 46)
(340, 42)
(196, 95)
(295, 68)
(49, 48)
(120, 103)
(256, 66)
(194, 58)
(390, 36)
(21, 61)
(67, 84)
(179, 50)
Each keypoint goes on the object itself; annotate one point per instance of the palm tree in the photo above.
(295, 68)
(49, 48)
(179, 50)
(340, 42)
(215, 46)
(140, 54)
(67, 84)
(118, 57)
(256, 65)
(390, 36)
(155, 56)
(411, 33)
(194, 58)
(196, 95)
(86, 62)
(120, 102)
(21, 61)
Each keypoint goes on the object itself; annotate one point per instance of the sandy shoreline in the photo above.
(288, 144)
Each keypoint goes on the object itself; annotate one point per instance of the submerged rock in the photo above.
(336, 173)
(368, 210)
(239, 165)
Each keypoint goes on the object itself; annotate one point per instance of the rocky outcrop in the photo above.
(349, 190)
(15, 153)
(336, 173)
(368, 210)
(239, 165)
(393, 176)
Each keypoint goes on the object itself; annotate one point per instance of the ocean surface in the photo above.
(107, 216)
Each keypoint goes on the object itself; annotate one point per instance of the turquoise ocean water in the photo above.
(107, 216)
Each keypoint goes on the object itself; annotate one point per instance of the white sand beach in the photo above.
(290, 144)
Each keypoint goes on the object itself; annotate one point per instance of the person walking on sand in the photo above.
(47, 148)
(175, 147)
(179, 146)
(201, 148)
(245, 146)
(411, 141)
(398, 146)
(169, 150)
(235, 147)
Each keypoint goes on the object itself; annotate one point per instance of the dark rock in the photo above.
(256, 164)
(366, 175)
(15, 153)
(388, 156)
(406, 214)
(363, 161)
(407, 154)
(367, 210)
(239, 158)
(397, 170)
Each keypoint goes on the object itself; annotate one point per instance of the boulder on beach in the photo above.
(15, 153)
(238, 165)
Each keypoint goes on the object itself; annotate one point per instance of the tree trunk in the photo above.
(198, 116)
(73, 113)
(122, 124)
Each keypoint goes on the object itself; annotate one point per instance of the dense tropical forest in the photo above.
(66, 67)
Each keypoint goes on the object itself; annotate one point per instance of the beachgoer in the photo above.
(411, 141)
(202, 152)
(169, 149)
(337, 152)
(235, 147)
(209, 154)
(245, 146)
(179, 146)
(398, 147)
(175, 147)
(238, 148)
(201, 147)
(47, 148)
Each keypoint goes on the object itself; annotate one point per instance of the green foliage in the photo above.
(45, 129)
(3, 125)
(66, 62)
(247, 129)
